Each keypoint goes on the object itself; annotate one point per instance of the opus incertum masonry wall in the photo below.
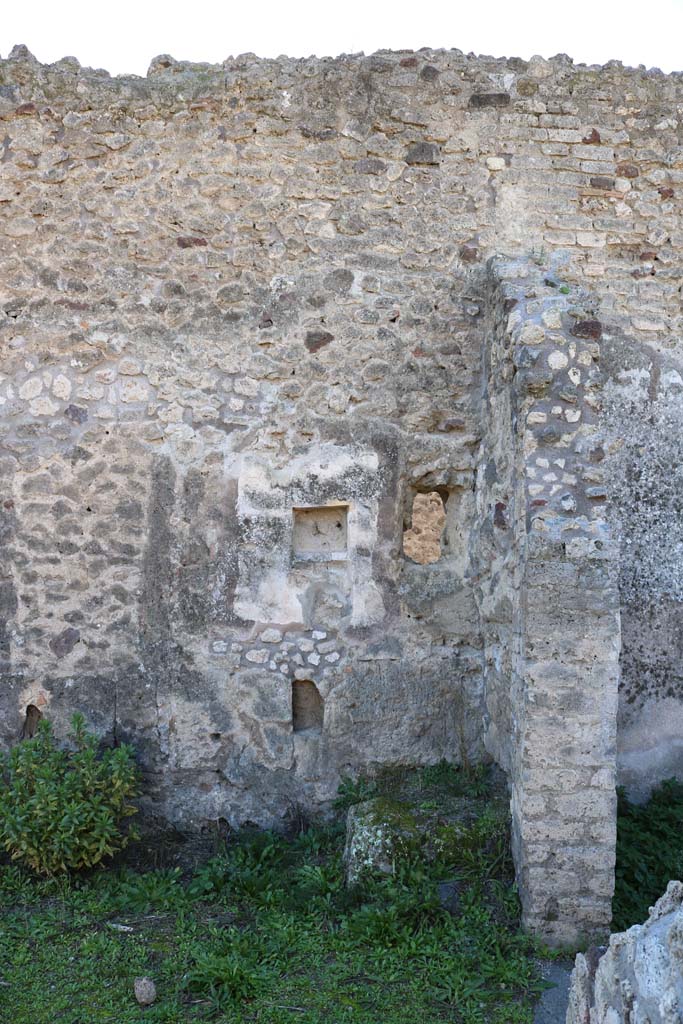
(249, 313)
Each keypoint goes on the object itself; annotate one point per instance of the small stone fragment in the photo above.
(587, 329)
(423, 153)
(64, 642)
(145, 991)
(315, 340)
(61, 387)
(257, 657)
(469, 253)
(31, 388)
(557, 360)
(601, 181)
(76, 413)
(129, 367)
(370, 165)
(481, 100)
(189, 242)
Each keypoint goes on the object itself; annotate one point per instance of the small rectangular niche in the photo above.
(308, 709)
(422, 540)
(321, 533)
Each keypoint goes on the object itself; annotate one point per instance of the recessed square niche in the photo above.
(308, 710)
(321, 533)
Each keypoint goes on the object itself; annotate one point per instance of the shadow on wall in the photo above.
(643, 425)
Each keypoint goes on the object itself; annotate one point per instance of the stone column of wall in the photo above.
(554, 730)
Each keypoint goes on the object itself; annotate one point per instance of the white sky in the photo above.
(123, 35)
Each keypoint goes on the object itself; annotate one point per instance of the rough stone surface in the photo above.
(548, 600)
(422, 542)
(638, 978)
(241, 296)
(372, 841)
(145, 991)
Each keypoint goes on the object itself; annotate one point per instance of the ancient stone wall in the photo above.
(547, 590)
(227, 374)
(246, 319)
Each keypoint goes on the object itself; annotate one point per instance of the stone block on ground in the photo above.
(379, 832)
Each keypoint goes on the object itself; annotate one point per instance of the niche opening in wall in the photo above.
(321, 533)
(308, 709)
(33, 716)
(422, 540)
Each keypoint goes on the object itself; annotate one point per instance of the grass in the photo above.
(267, 932)
(649, 852)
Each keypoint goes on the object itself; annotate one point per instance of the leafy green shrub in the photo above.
(649, 851)
(61, 810)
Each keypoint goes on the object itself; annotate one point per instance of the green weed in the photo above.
(649, 851)
(267, 931)
(62, 809)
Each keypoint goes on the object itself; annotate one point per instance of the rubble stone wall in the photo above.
(225, 329)
(244, 321)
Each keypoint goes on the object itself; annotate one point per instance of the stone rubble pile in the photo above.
(638, 979)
